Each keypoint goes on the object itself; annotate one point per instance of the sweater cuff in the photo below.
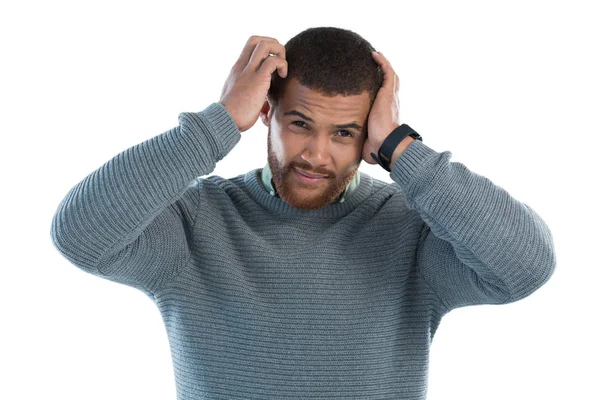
(411, 163)
(217, 125)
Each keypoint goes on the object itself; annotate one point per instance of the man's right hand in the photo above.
(245, 90)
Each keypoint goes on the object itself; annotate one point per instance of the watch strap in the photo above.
(390, 143)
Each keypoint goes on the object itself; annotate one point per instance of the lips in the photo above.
(310, 175)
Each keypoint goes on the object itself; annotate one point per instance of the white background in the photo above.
(511, 89)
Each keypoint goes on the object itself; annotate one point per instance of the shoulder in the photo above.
(386, 189)
(217, 188)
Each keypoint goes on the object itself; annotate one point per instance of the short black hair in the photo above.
(331, 61)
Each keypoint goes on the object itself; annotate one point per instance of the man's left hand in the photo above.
(384, 114)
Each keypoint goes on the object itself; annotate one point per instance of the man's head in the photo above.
(317, 115)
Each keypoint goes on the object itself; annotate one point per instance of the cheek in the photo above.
(351, 162)
(277, 142)
(290, 144)
(352, 155)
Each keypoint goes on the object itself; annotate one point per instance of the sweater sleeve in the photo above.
(130, 220)
(479, 245)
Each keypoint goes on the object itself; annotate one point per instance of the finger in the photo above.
(390, 80)
(274, 63)
(263, 50)
(248, 49)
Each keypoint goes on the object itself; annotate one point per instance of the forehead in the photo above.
(302, 98)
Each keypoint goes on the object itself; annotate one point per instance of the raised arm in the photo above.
(479, 244)
(131, 220)
(127, 221)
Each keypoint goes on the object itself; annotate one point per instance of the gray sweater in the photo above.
(261, 300)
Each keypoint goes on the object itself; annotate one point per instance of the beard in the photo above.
(304, 196)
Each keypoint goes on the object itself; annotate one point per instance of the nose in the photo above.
(316, 151)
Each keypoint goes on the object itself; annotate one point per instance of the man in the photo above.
(306, 278)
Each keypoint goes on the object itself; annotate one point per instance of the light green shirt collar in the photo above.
(266, 181)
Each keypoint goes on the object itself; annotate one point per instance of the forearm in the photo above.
(113, 204)
(506, 244)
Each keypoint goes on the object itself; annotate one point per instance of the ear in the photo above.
(266, 112)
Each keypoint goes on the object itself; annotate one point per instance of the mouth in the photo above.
(305, 177)
(314, 176)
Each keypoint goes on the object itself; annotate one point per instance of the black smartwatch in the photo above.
(391, 142)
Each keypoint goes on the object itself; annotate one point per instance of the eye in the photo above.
(299, 122)
(349, 134)
(302, 124)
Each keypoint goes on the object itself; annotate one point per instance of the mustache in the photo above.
(310, 170)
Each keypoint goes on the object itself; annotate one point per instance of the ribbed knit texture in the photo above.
(264, 301)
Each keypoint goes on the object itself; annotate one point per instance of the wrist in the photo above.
(402, 146)
(394, 145)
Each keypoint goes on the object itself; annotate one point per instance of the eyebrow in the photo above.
(352, 125)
